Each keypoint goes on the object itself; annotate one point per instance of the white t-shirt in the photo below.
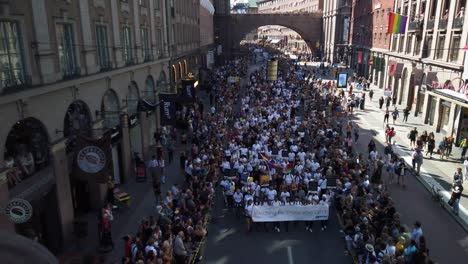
(271, 194)
(284, 196)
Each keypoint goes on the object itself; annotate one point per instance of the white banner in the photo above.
(266, 213)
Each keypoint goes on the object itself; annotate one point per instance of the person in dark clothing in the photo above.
(182, 160)
(381, 102)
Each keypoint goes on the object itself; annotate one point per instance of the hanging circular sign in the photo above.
(91, 159)
(18, 210)
(359, 86)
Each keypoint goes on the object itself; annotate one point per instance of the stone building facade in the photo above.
(71, 68)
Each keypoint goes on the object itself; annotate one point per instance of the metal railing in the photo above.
(458, 22)
(430, 24)
(415, 25)
(442, 24)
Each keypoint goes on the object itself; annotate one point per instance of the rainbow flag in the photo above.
(271, 163)
(396, 23)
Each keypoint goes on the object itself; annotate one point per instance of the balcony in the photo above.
(415, 26)
(430, 24)
(458, 23)
(442, 24)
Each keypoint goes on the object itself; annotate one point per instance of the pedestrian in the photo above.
(180, 252)
(401, 170)
(356, 134)
(464, 147)
(417, 232)
(386, 116)
(388, 100)
(465, 169)
(412, 137)
(388, 152)
(442, 148)
(458, 176)
(248, 214)
(162, 169)
(406, 113)
(390, 134)
(448, 148)
(391, 169)
(170, 151)
(454, 200)
(381, 102)
(417, 158)
(153, 167)
(430, 146)
(394, 99)
(424, 138)
(371, 94)
(395, 115)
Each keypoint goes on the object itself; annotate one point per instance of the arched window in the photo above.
(132, 99)
(77, 121)
(110, 109)
(26, 150)
(150, 92)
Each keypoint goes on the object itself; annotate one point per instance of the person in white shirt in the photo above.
(288, 178)
(324, 202)
(153, 166)
(284, 195)
(276, 203)
(238, 197)
(322, 184)
(271, 193)
(248, 213)
(162, 169)
(291, 156)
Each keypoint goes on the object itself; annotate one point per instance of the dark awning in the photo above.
(431, 77)
(418, 75)
(145, 106)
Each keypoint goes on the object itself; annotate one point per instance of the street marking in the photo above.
(290, 257)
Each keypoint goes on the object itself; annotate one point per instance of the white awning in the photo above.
(275, 41)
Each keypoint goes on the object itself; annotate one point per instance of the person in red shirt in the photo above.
(128, 246)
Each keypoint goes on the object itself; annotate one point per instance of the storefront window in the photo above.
(110, 109)
(26, 150)
(77, 122)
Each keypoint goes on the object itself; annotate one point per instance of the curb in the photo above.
(447, 208)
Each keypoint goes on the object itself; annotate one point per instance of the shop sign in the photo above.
(91, 159)
(18, 210)
(388, 91)
(451, 84)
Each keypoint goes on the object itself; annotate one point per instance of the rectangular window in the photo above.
(159, 42)
(417, 46)
(11, 55)
(440, 47)
(147, 54)
(455, 48)
(127, 45)
(102, 47)
(66, 50)
(409, 41)
(157, 4)
(427, 51)
(142, 2)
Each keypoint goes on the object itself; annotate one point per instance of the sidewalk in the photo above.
(433, 171)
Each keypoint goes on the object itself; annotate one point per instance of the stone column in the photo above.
(157, 113)
(145, 135)
(89, 50)
(136, 26)
(425, 106)
(118, 60)
(64, 196)
(97, 191)
(45, 55)
(437, 115)
(125, 148)
(453, 109)
(5, 223)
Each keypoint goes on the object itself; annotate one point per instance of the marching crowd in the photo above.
(274, 143)
(289, 147)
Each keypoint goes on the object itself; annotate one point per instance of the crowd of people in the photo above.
(274, 143)
(175, 231)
